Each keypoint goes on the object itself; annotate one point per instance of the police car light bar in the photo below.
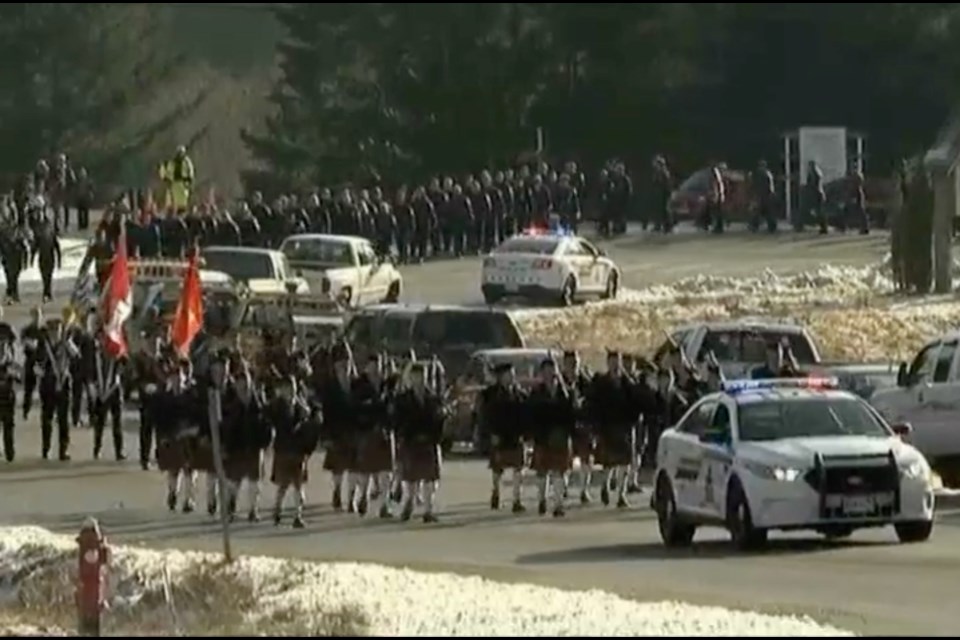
(740, 386)
(558, 231)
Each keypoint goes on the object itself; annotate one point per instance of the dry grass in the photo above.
(867, 331)
(209, 600)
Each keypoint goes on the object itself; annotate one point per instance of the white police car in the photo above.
(548, 265)
(787, 455)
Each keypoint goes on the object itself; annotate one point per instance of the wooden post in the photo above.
(215, 407)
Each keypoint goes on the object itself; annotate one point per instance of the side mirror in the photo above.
(903, 429)
(903, 377)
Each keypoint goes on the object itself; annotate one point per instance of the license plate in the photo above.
(859, 505)
(513, 287)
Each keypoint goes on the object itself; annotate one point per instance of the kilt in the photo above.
(201, 456)
(552, 459)
(173, 454)
(289, 469)
(512, 458)
(616, 450)
(583, 446)
(244, 465)
(420, 461)
(340, 456)
(375, 453)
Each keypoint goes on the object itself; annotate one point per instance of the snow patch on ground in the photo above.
(827, 285)
(394, 602)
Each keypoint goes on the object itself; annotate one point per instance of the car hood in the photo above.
(801, 451)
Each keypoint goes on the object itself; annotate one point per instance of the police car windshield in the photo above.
(750, 345)
(812, 417)
(538, 246)
(323, 252)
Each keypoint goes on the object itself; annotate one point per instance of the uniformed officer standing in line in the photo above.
(32, 339)
(58, 353)
(46, 248)
(425, 225)
(765, 192)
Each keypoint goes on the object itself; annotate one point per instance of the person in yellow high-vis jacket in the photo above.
(177, 175)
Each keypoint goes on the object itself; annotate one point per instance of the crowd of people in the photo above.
(446, 217)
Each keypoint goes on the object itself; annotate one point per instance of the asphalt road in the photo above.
(647, 259)
(869, 584)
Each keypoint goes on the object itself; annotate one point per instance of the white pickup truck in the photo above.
(740, 346)
(927, 396)
(260, 270)
(344, 267)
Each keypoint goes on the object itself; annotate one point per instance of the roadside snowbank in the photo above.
(850, 310)
(37, 568)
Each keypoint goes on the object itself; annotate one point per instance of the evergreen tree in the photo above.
(72, 71)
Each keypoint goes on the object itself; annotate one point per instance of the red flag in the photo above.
(189, 316)
(116, 301)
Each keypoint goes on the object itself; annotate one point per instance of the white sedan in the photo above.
(548, 266)
(788, 455)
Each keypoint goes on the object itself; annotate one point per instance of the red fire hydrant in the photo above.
(91, 583)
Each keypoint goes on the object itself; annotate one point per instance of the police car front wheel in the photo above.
(743, 534)
(913, 532)
(673, 530)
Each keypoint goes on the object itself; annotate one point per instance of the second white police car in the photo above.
(786, 455)
(548, 265)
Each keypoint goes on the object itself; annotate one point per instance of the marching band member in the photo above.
(615, 410)
(375, 446)
(419, 418)
(295, 439)
(502, 420)
(338, 424)
(246, 435)
(669, 405)
(554, 417)
(577, 381)
(58, 354)
(174, 415)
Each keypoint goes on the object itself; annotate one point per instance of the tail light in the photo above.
(489, 263)
(543, 264)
